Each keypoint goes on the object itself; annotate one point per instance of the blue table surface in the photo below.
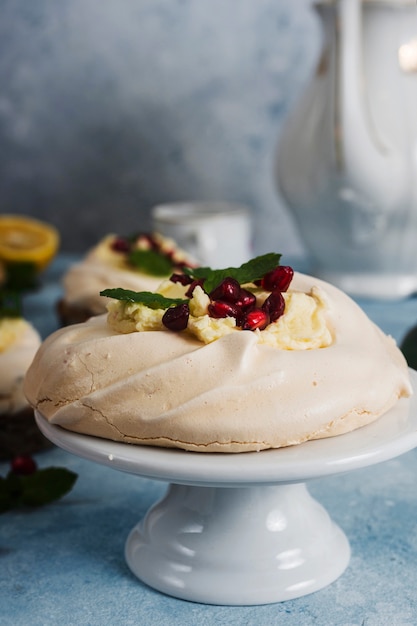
(64, 563)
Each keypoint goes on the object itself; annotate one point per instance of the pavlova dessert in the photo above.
(138, 262)
(19, 342)
(232, 360)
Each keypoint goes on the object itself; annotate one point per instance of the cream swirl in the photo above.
(231, 395)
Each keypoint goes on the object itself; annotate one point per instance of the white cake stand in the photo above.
(242, 529)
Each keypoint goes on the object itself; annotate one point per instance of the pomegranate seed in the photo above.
(176, 317)
(274, 305)
(194, 284)
(221, 309)
(256, 318)
(246, 300)
(228, 290)
(120, 244)
(279, 278)
(183, 279)
(23, 465)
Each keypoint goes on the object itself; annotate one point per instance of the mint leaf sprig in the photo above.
(10, 304)
(34, 489)
(248, 272)
(20, 277)
(150, 262)
(148, 298)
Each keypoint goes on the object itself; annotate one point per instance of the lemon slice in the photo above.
(24, 239)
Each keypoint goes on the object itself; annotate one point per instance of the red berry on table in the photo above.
(23, 465)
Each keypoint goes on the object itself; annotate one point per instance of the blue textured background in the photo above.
(107, 108)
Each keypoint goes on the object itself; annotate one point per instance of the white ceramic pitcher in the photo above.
(347, 157)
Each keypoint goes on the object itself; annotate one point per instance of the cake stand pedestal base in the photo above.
(237, 546)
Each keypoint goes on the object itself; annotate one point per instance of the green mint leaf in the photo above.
(9, 493)
(247, 273)
(151, 262)
(46, 485)
(41, 487)
(10, 304)
(21, 276)
(149, 299)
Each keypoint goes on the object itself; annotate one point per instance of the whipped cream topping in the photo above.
(19, 342)
(304, 326)
(234, 394)
(103, 268)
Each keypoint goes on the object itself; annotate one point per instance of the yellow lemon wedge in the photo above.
(24, 239)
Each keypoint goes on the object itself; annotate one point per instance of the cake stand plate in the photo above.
(242, 529)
